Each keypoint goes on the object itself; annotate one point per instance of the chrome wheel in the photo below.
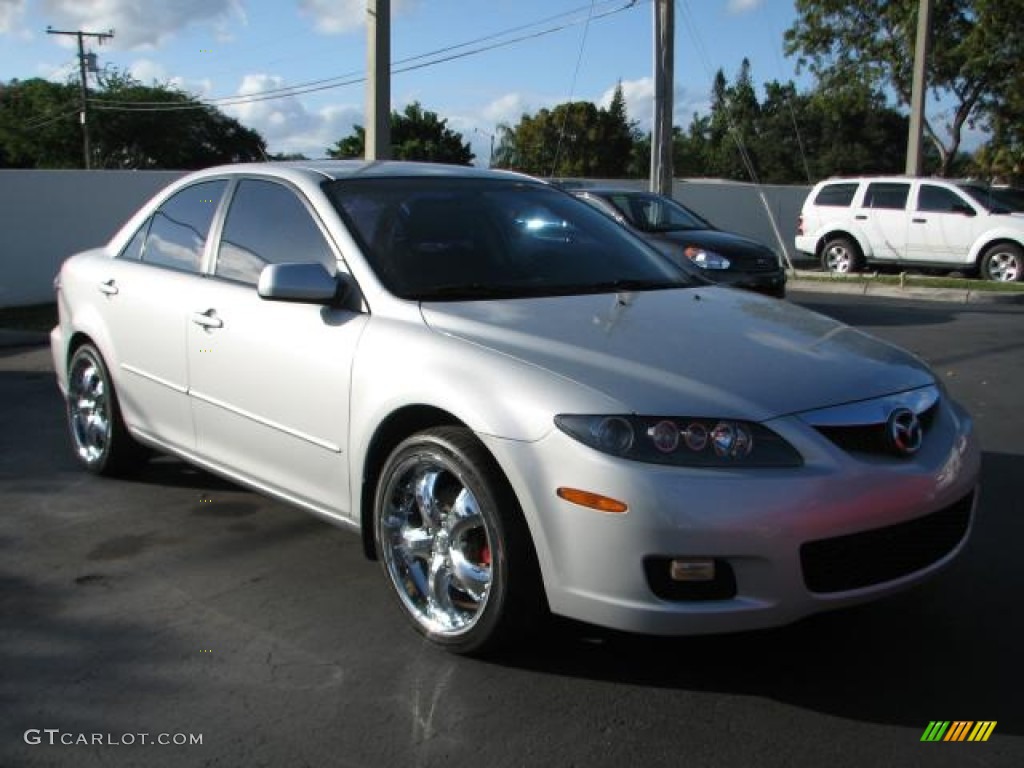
(1004, 263)
(839, 256)
(98, 435)
(436, 543)
(89, 409)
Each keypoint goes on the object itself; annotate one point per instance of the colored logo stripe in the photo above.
(982, 730)
(958, 730)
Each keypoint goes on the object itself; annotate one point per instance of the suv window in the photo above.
(838, 195)
(268, 224)
(883, 194)
(938, 199)
(177, 234)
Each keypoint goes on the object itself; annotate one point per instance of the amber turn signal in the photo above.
(592, 500)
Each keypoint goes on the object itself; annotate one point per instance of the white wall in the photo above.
(46, 216)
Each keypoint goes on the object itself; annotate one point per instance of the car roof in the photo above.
(340, 169)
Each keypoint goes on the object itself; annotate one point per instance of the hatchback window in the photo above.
(938, 200)
(461, 239)
(651, 213)
(887, 195)
(836, 195)
(177, 234)
(268, 224)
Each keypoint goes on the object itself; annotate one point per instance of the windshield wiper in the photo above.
(616, 286)
(457, 291)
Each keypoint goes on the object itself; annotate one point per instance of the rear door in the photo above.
(883, 217)
(147, 290)
(269, 381)
(942, 226)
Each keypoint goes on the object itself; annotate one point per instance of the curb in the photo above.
(916, 293)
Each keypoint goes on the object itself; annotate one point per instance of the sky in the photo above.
(574, 49)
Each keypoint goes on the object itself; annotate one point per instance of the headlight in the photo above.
(683, 441)
(706, 259)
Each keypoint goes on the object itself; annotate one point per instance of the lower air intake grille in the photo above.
(883, 554)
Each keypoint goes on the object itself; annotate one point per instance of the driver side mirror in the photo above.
(307, 283)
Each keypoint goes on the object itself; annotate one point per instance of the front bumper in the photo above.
(765, 525)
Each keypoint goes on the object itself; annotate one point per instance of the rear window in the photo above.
(836, 195)
(886, 195)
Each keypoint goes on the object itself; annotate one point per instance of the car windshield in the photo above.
(653, 213)
(447, 239)
(996, 199)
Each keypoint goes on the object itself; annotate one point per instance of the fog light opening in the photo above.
(692, 569)
(593, 500)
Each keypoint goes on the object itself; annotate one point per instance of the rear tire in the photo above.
(1003, 263)
(454, 544)
(841, 256)
(98, 435)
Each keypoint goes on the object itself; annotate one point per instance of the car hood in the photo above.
(694, 352)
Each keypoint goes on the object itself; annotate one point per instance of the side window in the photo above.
(938, 199)
(836, 195)
(884, 194)
(133, 251)
(177, 234)
(268, 224)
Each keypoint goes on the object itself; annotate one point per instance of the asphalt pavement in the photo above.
(176, 606)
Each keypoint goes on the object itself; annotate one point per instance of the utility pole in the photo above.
(84, 114)
(378, 84)
(664, 64)
(915, 156)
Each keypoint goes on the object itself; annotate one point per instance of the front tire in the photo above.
(98, 435)
(841, 256)
(454, 544)
(1003, 263)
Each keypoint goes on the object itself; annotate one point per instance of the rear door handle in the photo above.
(920, 221)
(207, 319)
(109, 287)
(861, 217)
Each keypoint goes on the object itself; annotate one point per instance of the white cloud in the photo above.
(738, 7)
(333, 17)
(11, 12)
(139, 23)
(505, 109)
(148, 72)
(287, 124)
(639, 96)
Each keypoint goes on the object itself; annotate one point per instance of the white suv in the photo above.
(906, 221)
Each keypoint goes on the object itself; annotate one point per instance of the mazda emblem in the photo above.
(904, 432)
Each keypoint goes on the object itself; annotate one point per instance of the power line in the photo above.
(429, 59)
(572, 90)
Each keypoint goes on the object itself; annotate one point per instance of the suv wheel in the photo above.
(841, 255)
(1003, 263)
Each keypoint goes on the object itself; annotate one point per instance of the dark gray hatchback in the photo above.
(690, 240)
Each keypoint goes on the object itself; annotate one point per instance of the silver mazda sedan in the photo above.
(521, 407)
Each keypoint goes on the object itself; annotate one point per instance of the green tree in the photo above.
(572, 139)
(130, 126)
(976, 50)
(416, 134)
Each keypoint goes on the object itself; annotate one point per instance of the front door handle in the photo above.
(861, 217)
(207, 319)
(109, 287)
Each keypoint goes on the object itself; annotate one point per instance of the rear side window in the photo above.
(836, 195)
(890, 195)
(268, 224)
(178, 231)
(133, 251)
(938, 199)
